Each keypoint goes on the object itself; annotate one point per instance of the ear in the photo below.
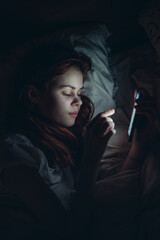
(33, 94)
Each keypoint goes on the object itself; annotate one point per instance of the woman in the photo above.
(50, 161)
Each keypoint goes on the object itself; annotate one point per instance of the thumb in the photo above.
(109, 135)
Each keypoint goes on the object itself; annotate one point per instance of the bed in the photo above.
(111, 83)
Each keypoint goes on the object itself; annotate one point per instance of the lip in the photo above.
(74, 114)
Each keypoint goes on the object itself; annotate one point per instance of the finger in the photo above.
(143, 91)
(109, 134)
(144, 122)
(145, 107)
(101, 116)
(106, 127)
(146, 102)
(99, 128)
(142, 110)
(97, 121)
(102, 126)
(147, 114)
(108, 113)
(111, 125)
(103, 129)
(109, 120)
(104, 123)
(135, 93)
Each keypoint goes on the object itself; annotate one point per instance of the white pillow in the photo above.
(100, 85)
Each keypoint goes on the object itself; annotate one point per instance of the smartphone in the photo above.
(133, 116)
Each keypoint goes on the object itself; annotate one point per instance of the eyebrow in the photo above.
(62, 86)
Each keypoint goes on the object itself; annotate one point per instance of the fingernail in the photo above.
(110, 110)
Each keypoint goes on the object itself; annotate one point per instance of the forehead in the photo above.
(72, 77)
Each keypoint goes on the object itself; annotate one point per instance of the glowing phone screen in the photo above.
(130, 129)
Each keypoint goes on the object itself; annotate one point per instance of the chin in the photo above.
(70, 124)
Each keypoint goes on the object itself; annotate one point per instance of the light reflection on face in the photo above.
(60, 102)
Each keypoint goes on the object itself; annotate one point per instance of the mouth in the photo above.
(74, 114)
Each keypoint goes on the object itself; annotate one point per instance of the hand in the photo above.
(98, 133)
(145, 118)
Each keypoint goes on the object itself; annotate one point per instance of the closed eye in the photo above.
(70, 94)
(66, 94)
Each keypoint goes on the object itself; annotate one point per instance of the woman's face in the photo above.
(60, 102)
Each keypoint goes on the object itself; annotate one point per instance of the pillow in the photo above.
(89, 39)
(100, 86)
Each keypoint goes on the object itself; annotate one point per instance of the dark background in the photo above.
(23, 20)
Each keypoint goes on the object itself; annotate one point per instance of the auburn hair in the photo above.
(43, 64)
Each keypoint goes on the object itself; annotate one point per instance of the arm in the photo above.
(98, 133)
(29, 186)
(48, 211)
(135, 156)
(147, 110)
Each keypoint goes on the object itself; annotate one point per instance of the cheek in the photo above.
(58, 105)
(63, 105)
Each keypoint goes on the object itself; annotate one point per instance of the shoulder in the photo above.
(15, 138)
(15, 142)
(18, 148)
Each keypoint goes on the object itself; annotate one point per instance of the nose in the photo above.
(77, 101)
